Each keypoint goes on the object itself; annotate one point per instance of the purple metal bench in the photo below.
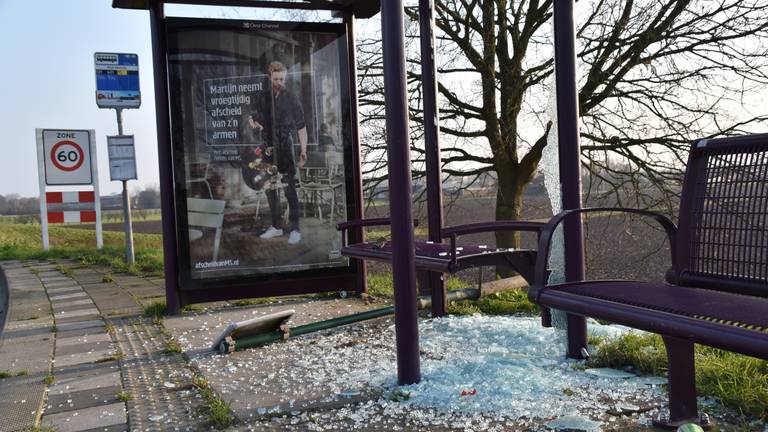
(717, 290)
(449, 257)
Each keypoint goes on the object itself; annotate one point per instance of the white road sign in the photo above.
(122, 157)
(67, 157)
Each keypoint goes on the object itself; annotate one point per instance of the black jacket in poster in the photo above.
(280, 121)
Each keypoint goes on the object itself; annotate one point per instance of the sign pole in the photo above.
(41, 178)
(129, 256)
(96, 195)
(117, 86)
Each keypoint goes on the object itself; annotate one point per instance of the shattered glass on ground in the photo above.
(478, 373)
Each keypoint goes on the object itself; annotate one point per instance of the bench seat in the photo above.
(436, 257)
(717, 290)
(725, 320)
(448, 257)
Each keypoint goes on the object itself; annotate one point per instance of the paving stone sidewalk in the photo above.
(62, 362)
(77, 354)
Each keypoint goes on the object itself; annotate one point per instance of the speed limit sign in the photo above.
(67, 157)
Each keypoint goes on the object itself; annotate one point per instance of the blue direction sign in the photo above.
(117, 80)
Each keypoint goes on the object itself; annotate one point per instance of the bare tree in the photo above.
(655, 74)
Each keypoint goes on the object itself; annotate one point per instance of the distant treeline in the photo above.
(147, 198)
(13, 204)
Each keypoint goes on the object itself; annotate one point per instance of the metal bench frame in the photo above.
(448, 257)
(720, 249)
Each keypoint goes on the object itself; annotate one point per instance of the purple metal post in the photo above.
(432, 146)
(682, 381)
(168, 212)
(349, 20)
(398, 152)
(570, 160)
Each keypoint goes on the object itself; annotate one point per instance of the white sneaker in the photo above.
(294, 238)
(271, 232)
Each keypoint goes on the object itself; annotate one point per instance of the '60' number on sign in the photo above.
(67, 155)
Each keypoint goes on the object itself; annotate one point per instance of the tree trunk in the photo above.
(509, 205)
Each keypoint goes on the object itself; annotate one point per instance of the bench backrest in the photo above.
(723, 234)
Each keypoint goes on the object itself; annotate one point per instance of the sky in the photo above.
(49, 81)
(48, 77)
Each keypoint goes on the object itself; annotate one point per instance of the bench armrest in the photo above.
(474, 228)
(362, 223)
(545, 240)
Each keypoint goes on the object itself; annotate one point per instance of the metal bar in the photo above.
(119, 115)
(96, 192)
(41, 183)
(723, 336)
(314, 5)
(701, 257)
(274, 336)
(570, 159)
(340, 321)
(747, 191)
(731, 246)
(286, 287)
(481, 227)
(435, 281)
(682, 380)
(755, 195)
(399, 157)
(361, 8)
(357, 177)
(165, 161)
(129, 256)
(256, 340)
(694, 187)
(762, 218)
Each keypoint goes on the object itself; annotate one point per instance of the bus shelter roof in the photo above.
(359, 8)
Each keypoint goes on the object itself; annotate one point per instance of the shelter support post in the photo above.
(435, 281)
(570, 161)
(398, 152)
(160, 68)
(362, 269)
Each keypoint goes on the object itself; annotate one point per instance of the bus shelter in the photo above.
(209, 77)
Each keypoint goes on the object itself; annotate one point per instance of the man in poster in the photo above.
(277, 114)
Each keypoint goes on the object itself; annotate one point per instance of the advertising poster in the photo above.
(261, 136)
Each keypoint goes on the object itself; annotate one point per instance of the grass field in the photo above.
(736, 380)
(108, 216)
(19, 241)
